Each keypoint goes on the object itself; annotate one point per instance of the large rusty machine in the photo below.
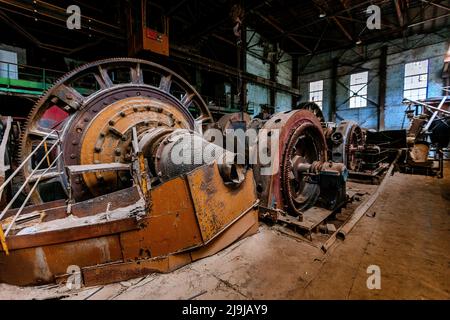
(96, 190)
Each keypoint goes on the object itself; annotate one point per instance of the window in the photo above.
(416, 80)
(8, 64)
(316, 92)
(358, 89)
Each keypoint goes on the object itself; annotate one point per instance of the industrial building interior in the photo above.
(224, 149)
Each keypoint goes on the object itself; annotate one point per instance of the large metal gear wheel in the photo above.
(92, 110)
(312, 107)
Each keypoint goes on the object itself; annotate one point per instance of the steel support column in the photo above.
(333, 90)
(382, 88)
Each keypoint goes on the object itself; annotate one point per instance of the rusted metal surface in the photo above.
(71, 234)
(233, 121)
(278, 190)
(40, 265)
(107, 138)
(58, 209)
(217, 205)
(122, 93)
(345, 142)
(243, 227)
(171, 225)
(168, 237)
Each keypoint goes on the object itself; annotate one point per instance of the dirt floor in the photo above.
(408, 238)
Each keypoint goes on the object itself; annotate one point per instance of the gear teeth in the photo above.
(47, 94)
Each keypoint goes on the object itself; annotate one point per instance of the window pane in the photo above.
(415, 68)
(359, 78)
(422, 93)
(416, 82)
(316, 86)
(316, 92)
(316, 96)
(416, 94)
(358, 102)
(360, 89)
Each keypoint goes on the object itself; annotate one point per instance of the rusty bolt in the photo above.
(74, 142)
(86, 119)
(98, 149)
(135, 109)
(147, 108)
(111, 122)
(102, 134)
(118, 152)
(122, 114)
(72, 156)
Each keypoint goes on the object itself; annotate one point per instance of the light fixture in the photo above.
(358, 42)
(322, 15)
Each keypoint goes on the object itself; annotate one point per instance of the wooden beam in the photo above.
(399, 12)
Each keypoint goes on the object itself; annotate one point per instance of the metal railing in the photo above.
(20, 78)
(36, 178)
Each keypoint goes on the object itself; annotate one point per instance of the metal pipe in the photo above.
(427, 106)
(434, 114)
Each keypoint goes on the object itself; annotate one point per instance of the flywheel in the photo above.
(90, 112)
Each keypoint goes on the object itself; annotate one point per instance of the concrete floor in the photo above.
(408, 238)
